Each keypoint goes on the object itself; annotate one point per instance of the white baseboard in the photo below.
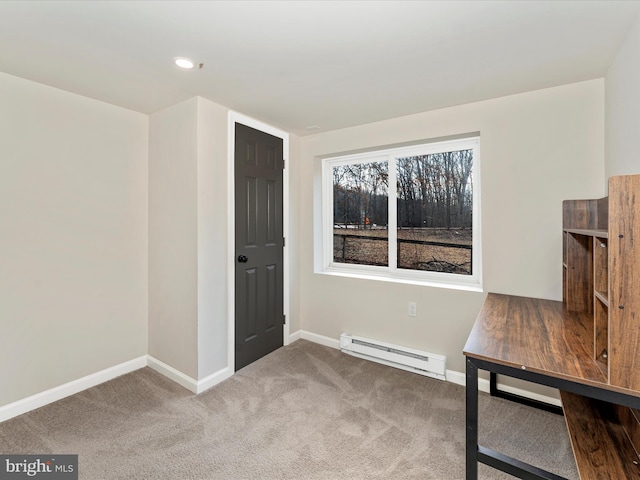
(459, 378)
(321, 339)
(483, 385)
(191, 384)
(173, 374)
(57, 393)
(213, 379)
(294, 336)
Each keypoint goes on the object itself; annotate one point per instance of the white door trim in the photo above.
(235, 117)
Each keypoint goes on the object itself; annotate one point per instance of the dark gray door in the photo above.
(259, 243)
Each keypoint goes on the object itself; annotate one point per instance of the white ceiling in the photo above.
(294, 64)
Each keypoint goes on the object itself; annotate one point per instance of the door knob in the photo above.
(242, 259)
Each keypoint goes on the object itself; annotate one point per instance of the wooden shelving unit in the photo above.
(602, 263)
(587, 346)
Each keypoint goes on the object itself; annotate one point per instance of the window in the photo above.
(405, 214)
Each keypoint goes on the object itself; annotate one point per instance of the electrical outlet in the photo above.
(413, 309)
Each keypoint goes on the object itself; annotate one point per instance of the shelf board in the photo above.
(588, 232)
(600, 445)
(603, 297)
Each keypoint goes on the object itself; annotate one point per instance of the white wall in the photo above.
(212, 237)
(537, 149)
(622, 100)
(73, 237)
(296, 224)
(173, 237)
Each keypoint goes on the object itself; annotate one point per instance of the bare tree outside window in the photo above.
(435, 203)
(360, 213)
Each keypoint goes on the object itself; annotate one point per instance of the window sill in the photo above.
(381, 277)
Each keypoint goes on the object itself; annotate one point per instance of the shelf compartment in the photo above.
(601, 335)
(585, 216)
(601, 268)
(579, 273)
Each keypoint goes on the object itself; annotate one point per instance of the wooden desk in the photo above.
(540, 341)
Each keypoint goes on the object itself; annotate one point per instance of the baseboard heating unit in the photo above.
(424, 363)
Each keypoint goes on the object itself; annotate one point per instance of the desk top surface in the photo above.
(539, 335)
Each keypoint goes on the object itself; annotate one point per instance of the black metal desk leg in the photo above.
(472, 421)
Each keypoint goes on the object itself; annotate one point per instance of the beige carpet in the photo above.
(303, 412)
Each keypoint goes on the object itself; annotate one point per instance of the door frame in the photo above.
(235, 117)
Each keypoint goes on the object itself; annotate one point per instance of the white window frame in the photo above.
(391, 273)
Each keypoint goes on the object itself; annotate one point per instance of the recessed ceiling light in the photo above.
(313, 127)
(184, 63)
